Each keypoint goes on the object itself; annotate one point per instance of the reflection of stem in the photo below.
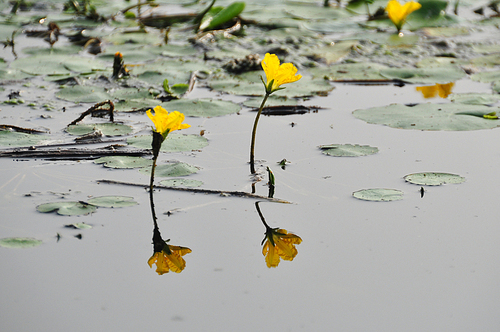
(261, 215)
(151, 188)
(254, 131)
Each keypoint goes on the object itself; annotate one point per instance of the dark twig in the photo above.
(97, 109)
(201, 191)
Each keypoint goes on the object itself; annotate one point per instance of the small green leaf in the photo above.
(433, 179)
(107, 129)
(80, 225)
(12, 138)
(174, 142)
(19, 242)
(123, 162)
(348, 150)
(173, 169)
(112, 201)
(69, 208)
(378, 194)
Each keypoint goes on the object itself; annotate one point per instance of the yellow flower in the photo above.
(279, 244)
(277, 74)
(169, 259)
(443, 90)
(398, 12)
(165, 122)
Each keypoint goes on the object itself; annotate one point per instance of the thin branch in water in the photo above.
(96, 110)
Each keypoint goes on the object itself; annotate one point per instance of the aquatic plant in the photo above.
(398, 12)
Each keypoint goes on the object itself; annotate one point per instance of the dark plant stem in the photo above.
(151, 188)
(254, 131)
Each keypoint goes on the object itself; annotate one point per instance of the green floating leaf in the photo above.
(351, 72)
(456, 117)
(378, 195)
(80, 225)
(123, 162)
(19, 242)
(348, 150)
(189, 183)
(83, 94)
(203, 107)
(433, 179)
(107, 129)
(12, 138)
(173, 169)
(112, 201)
(173, 143)
(69, 208)
(273, 100)
(475, 98)
(441, 75)
(486, 76)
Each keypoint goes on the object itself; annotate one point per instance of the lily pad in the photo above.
(458, 117)
(67, 208)
(174, 142)
(475, 98)
(486, 76)
(378, 194)
(203, 107)
(83, 94)
(433, 179)
(12, 138)
(424, 75)
(107, 129)
(79, 225)
(124, 162)
(189, 183)
(347, 150)
(112, 201)
(19, 242)
(351, 72)
(173, 169)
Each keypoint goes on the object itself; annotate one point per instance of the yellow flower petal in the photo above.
(277, 74)
(398, 13)
(284, 247)
(169, 259)
(165, 122)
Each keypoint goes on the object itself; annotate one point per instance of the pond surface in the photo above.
(426, 263)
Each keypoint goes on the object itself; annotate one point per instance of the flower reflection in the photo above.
(167, 257)
(278, 243)
(441, 90)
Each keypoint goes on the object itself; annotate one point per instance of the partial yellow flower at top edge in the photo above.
(280, 244)
(169, 259)
(398, 12)
(277, 74)
(167, 122)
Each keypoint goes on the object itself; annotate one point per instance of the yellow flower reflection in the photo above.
(279, 244)
(277, 74)
(165, 122)
(442, 90)
(169, 259)
(398, 12)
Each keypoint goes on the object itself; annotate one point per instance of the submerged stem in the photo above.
(254, 131)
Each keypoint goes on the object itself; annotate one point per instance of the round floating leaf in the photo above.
(69, 208)
(107, 129)
(173, 143)
(12, 138)
(271, 101)
(457, 117)
(124, 162)
(203, 107)
(433, 179)
(350, 72)
(83, 94)
(424, 75)
(173, 169)
(112, 201)
(19, 242)
(475, 98)
(378, 194)
(348, 150)
(190, 183)
(486, 76)
(80, 225)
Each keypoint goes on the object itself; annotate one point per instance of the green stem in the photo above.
(254, 131)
